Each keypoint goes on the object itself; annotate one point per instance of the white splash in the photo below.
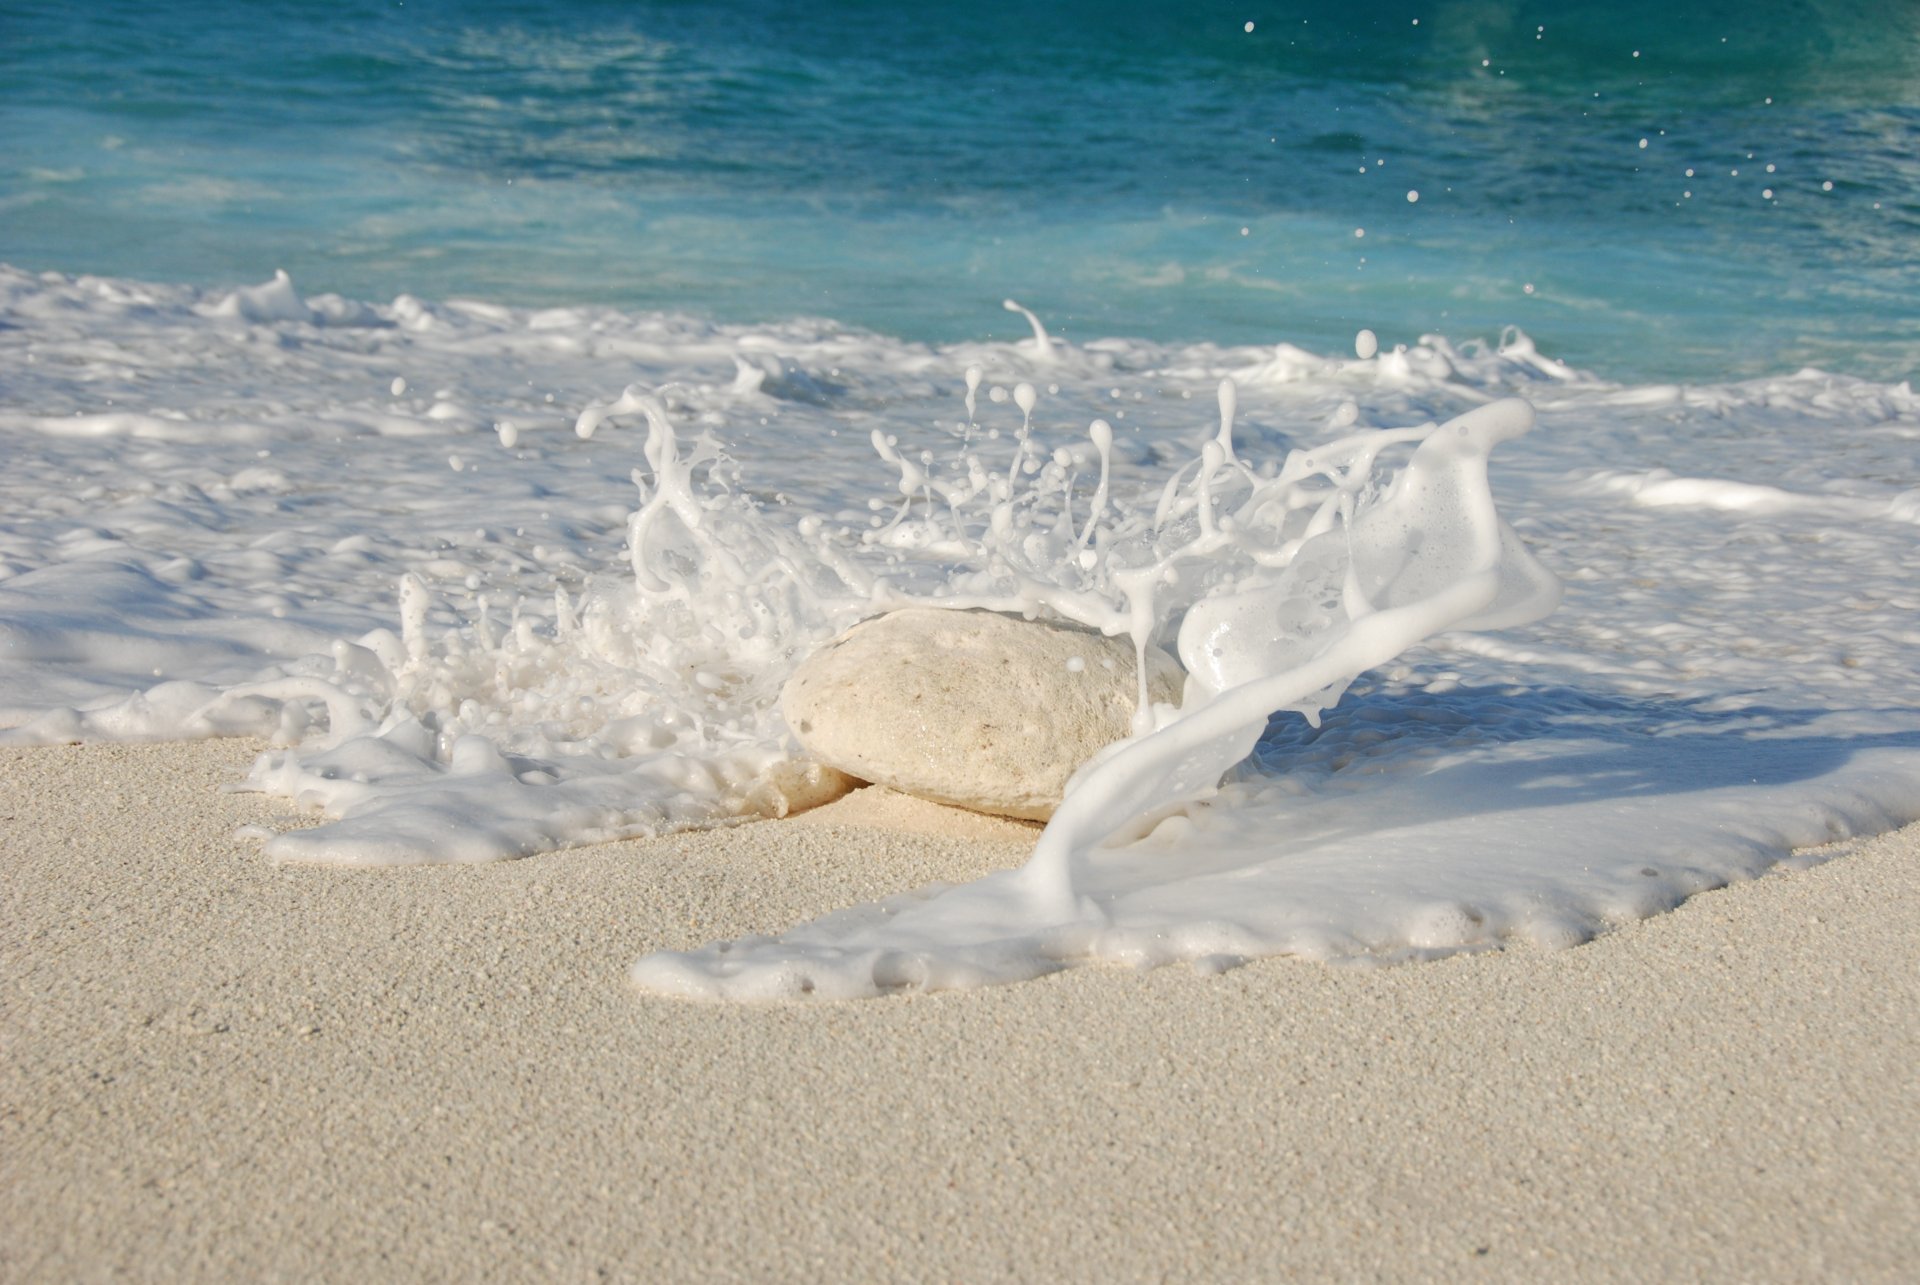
(1308, 577)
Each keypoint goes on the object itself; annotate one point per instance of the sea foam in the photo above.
(590, 627)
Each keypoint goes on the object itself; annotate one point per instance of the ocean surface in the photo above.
(1653, 190)
(489, 405)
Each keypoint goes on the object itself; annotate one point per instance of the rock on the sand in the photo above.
(972, 708)
(795, 786)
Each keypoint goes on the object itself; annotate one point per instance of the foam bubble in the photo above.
(591, 628)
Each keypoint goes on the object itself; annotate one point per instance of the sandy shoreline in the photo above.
(211, 1067)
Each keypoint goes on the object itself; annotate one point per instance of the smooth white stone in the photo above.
(795, 786)
(971, 708)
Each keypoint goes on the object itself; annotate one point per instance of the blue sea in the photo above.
(1696, 191)
(1505, 413)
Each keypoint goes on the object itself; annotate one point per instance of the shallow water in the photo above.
(217, 497)
(519, 560)
(1644, 187)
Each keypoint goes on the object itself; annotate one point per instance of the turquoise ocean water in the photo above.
(379, 535)
(1152, 170)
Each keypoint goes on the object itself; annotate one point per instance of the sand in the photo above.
(215, 1068)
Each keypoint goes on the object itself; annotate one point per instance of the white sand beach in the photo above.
(1419, 499)
(218, 1068)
